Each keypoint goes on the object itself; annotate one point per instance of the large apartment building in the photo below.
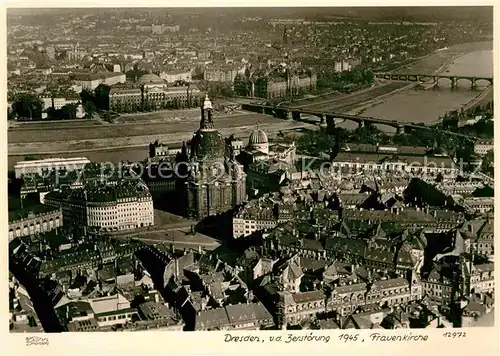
(152, 96)
(124, 99)
(224, 73)
(124, 206)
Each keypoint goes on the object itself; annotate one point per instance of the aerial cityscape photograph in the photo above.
(225, 169)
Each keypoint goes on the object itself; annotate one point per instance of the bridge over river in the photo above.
(329, 119)
(434, 77)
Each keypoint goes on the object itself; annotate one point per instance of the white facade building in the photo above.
(243, 226)
(373, 167)
(482, 278)
(115, 317)
(92, 81)
(124, 206)
(60, 102)
(34, 223)
(43, 166)
(176, 75)
(483, 147)
(122, 214)
(480, 204)
(462, 188)
(255, 216)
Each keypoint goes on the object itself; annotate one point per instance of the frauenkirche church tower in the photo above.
(216, 182)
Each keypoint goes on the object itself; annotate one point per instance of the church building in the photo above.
(215, 182)
(259, 149)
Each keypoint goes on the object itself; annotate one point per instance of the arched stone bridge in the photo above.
(327, 119)
(434, 77)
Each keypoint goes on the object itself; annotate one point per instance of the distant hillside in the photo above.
(426, 13)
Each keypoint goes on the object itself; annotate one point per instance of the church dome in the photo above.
(208, 145)
(257, 137)
(150, 79)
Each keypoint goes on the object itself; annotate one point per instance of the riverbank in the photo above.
(358, 109)
(483, 98)
(330, 97)
(150, 118)
(437, 62)
(448, 63)
(115, 139)
(439, 59)
(100, 144)
(348, 100)
(138, 152)
(445, 58)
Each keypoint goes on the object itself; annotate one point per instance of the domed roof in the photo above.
(208, 145)
(258, 136)
(150, 79)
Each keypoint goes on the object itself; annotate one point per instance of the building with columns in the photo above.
(39, 220)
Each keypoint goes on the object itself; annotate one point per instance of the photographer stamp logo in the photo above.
(36, 341)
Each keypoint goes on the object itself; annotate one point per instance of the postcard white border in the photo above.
(478, 341)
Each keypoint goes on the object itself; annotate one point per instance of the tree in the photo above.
(11, 115)
(368, 134)
(87, 96)
(147, 106)
(39, 58)
(315, 143)
(484, 192)
(227, 91)
(119, 107)
(90, 109)
(135, 73)
(368, 76)
(356, 76)
(465, 154)
(28, 106)
(102, 96)
(198, 73)
(68, 112)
